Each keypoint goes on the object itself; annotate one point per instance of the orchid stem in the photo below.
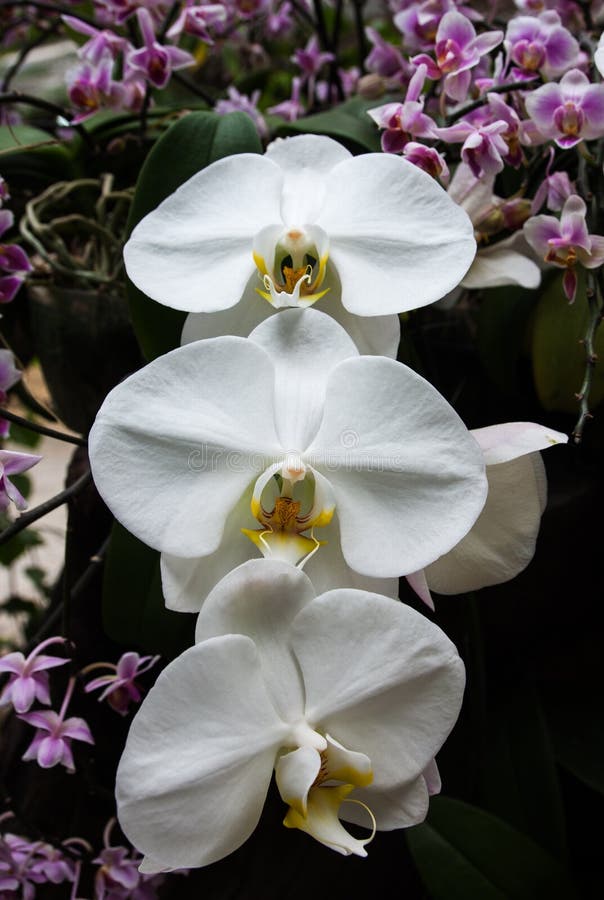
(42, 429)
(596, 314)
(496, 89)
(38, 512)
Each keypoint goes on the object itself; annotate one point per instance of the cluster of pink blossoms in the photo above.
(27, 864)
(24, 864)
(503, 95)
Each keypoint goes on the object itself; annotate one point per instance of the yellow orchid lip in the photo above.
(292, 265)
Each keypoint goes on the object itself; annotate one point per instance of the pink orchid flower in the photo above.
(458, 49)
(155, 61)
(28, 678)
(404, 121)
(52, 743)
(120, 688)
(570, 111)
(565, 241)
(13, 463)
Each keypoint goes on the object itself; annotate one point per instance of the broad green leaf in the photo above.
(134, 613)
(519, 775)
(191, 144)
(577, 731)
(503, 322)
(34, 157)
(558, 355)
(18, 545)
(348, 123)
(465, 853)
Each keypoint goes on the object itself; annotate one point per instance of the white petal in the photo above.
(499, 265)
(305, 161)
(194, 251)
(407, 476)
(374, 336)
(502, 541)
(186, 582)
(475, 195)
(304, 345)
(380, 678)
(199, 755)
(238, 320)
(397, 240)
(295, 774)
(395, 807)
(175, 446)
(260, 599)
(500, 443)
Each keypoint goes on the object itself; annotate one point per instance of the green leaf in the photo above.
(134, 613)
(191, 144)
(348, 123)
(464, 853)
(34, 157)
(578, 732)
(558, 355)
(519, 775)
(18, 545)
(503, 322)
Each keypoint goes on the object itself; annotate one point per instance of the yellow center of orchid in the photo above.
(292, 269)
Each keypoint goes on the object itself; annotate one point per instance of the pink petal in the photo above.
(593, 107)
(539, 231)
(569, 283)
(457, 85)
(45, 662)
(541, 106)
(46, 720)
(50, 752)
(454, 26)
(417, 581)
(23, 693)
(12, 662)
(77, 729)
(127, 665)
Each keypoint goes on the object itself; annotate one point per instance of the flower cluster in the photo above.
(14, 264)
(283, 436)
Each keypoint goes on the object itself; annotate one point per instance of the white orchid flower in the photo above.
(501, 543)
(296, 423)
(394, 238)
(345, 692)
(508, 261)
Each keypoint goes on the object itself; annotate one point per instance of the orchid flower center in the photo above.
(287, 502)
(292, 264)
(569, 119)
(448, 55)
(561, 255)
(314, 780)
(529, 54)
